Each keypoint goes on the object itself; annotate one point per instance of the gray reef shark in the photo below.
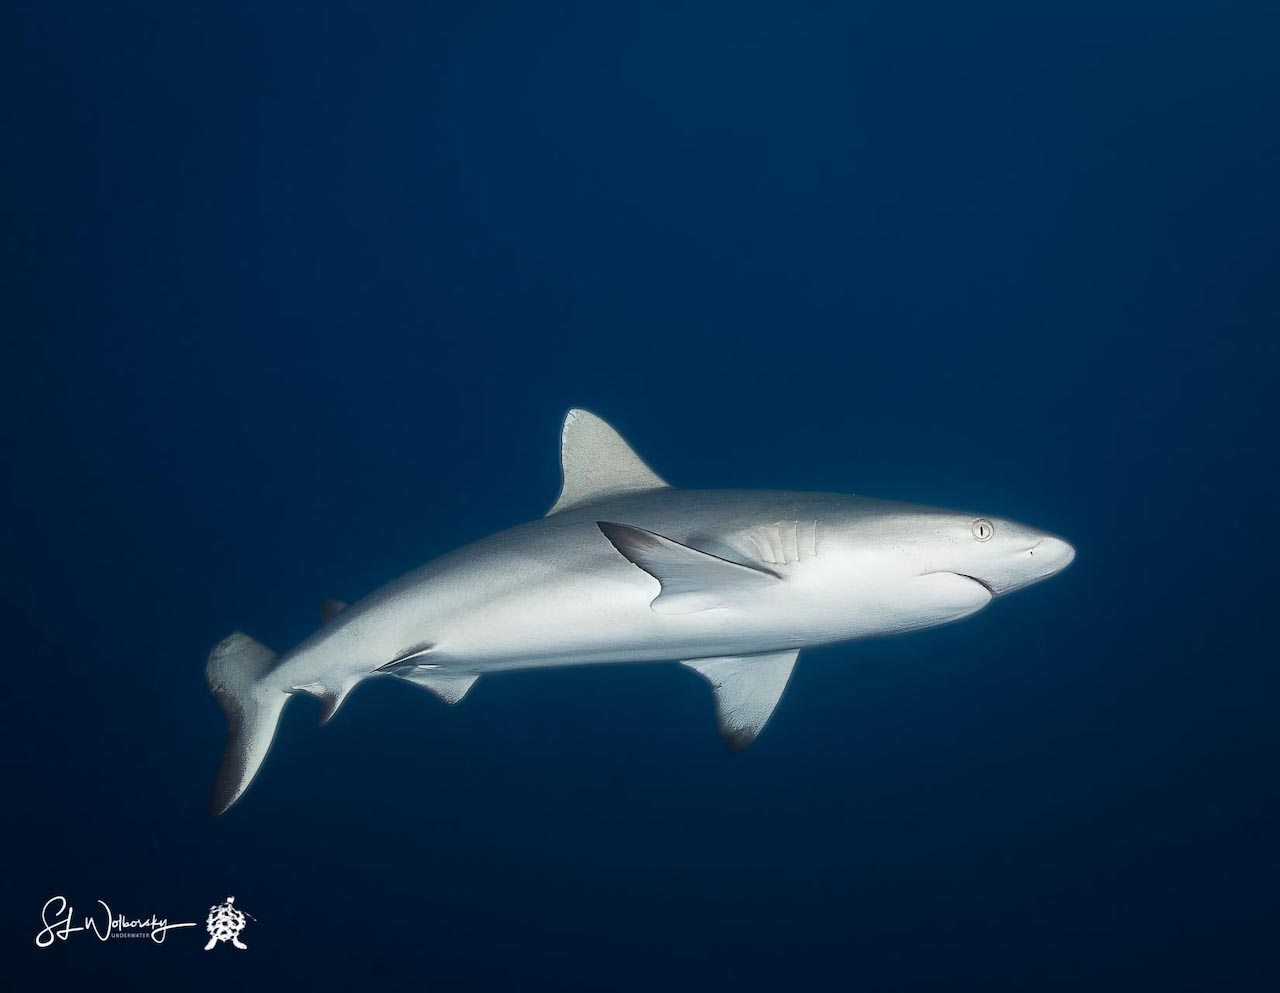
(625, 568)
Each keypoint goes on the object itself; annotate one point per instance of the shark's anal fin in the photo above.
(450, 687)
(331, 609)
(331, 695)
(595, 464)
(335, 698)
(691, 580)
(747, 689)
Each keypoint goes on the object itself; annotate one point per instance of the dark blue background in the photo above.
(295, 298)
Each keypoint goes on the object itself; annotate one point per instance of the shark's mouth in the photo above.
(981, 582)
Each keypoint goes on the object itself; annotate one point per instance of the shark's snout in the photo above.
(1025, 560)
(1047, 557)
(1053, 554)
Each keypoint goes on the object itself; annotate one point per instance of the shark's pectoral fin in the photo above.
(747, 688)
(450, 687)
(691, 580)
(331, 609)
(596, 464)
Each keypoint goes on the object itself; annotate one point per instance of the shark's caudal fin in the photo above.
(253, 711)
(597, 464)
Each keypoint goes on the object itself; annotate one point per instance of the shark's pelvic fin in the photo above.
(410, 658)
(331, 609)
(747, 689)
(234, 675)
(595, 464)
(691, 580)
(450, 687)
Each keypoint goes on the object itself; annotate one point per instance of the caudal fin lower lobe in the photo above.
(234, 674)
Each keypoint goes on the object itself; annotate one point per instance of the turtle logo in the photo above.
(225, 924)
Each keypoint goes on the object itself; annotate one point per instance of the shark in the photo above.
(625, 568)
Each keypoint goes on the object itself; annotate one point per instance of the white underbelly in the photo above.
(607, 618)
(583, 624)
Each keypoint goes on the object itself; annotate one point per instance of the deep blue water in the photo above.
(294, 300)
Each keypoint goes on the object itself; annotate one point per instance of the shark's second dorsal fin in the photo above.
(597, 464)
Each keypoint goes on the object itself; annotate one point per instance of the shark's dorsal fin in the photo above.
(747, 688)
(331, 609)
(595, 464)
(691, 580)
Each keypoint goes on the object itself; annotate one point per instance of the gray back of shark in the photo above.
(625, 568)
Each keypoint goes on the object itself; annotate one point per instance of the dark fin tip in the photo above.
(737, 741)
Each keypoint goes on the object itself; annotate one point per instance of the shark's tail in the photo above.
(234, 672)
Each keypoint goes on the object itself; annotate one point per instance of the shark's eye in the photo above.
(983, 529)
